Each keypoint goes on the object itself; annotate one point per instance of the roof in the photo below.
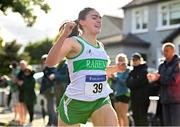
(133, 40)
(117, 21)
(172, 36)
(111, 26)
(136, 3)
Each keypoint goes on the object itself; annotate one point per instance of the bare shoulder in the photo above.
(69, 40)
(72, 42)
(68, 43)
(73, 46)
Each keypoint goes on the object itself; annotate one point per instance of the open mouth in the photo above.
(97, 26)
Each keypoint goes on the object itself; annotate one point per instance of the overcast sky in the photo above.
(13, 26)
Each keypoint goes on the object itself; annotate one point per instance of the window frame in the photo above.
(145, 12)
(160, 26)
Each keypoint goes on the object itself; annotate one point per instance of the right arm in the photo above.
(62, 47)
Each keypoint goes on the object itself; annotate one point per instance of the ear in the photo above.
(82, 22)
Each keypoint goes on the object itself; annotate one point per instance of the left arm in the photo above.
(111, 69)
(115, 68)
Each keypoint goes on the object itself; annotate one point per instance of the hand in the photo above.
(67, 28)
(52, 76)
(111, 76)
(19, 82)
(153, 76)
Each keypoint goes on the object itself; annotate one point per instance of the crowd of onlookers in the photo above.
(22, 96)
(132, 88)
(22, 91)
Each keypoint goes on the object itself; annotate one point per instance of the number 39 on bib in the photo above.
(94, 84)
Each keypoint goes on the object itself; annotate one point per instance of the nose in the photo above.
(99, 18)
(99, 21)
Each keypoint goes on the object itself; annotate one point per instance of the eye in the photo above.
(94, 17)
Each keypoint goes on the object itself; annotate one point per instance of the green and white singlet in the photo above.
(87, 73)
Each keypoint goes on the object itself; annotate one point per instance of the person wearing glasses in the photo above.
(138, 83)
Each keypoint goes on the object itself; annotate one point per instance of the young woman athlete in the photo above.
(87, 95)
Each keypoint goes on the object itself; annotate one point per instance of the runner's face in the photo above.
(92, 23)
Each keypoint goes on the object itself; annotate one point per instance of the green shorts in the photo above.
(74, 111)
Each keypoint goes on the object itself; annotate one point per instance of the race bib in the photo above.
(94, 84)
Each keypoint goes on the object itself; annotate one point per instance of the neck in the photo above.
(169, 59)
(90, 38)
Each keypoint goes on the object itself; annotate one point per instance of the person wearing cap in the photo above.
(138, 84)
(43, 59)
(29, 92)
(61, 77)
(168, 78)
(48, 91)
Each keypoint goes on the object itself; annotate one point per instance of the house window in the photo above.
(169, 14)
(140, 20)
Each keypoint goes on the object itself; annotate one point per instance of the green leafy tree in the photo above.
(1, 42)
(24, 8)
(10, 53)
(1, 45)
(37, 49)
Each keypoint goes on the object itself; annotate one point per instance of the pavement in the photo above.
(6, 115)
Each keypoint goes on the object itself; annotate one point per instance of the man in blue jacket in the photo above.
(168, 78)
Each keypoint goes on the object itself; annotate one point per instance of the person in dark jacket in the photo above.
(61, 76)
(29, 91)
(48, 91)
(168, 77)
(138, 84)
(20, 79)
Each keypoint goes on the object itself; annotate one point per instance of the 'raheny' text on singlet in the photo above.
(87, 73)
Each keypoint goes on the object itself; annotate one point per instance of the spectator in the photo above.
(61, 79)
(29, 92)
(121, 91)
(138, 84)
(14, 89)
(15, 70)
(168, 77)
(20, 80)
(47, 89)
